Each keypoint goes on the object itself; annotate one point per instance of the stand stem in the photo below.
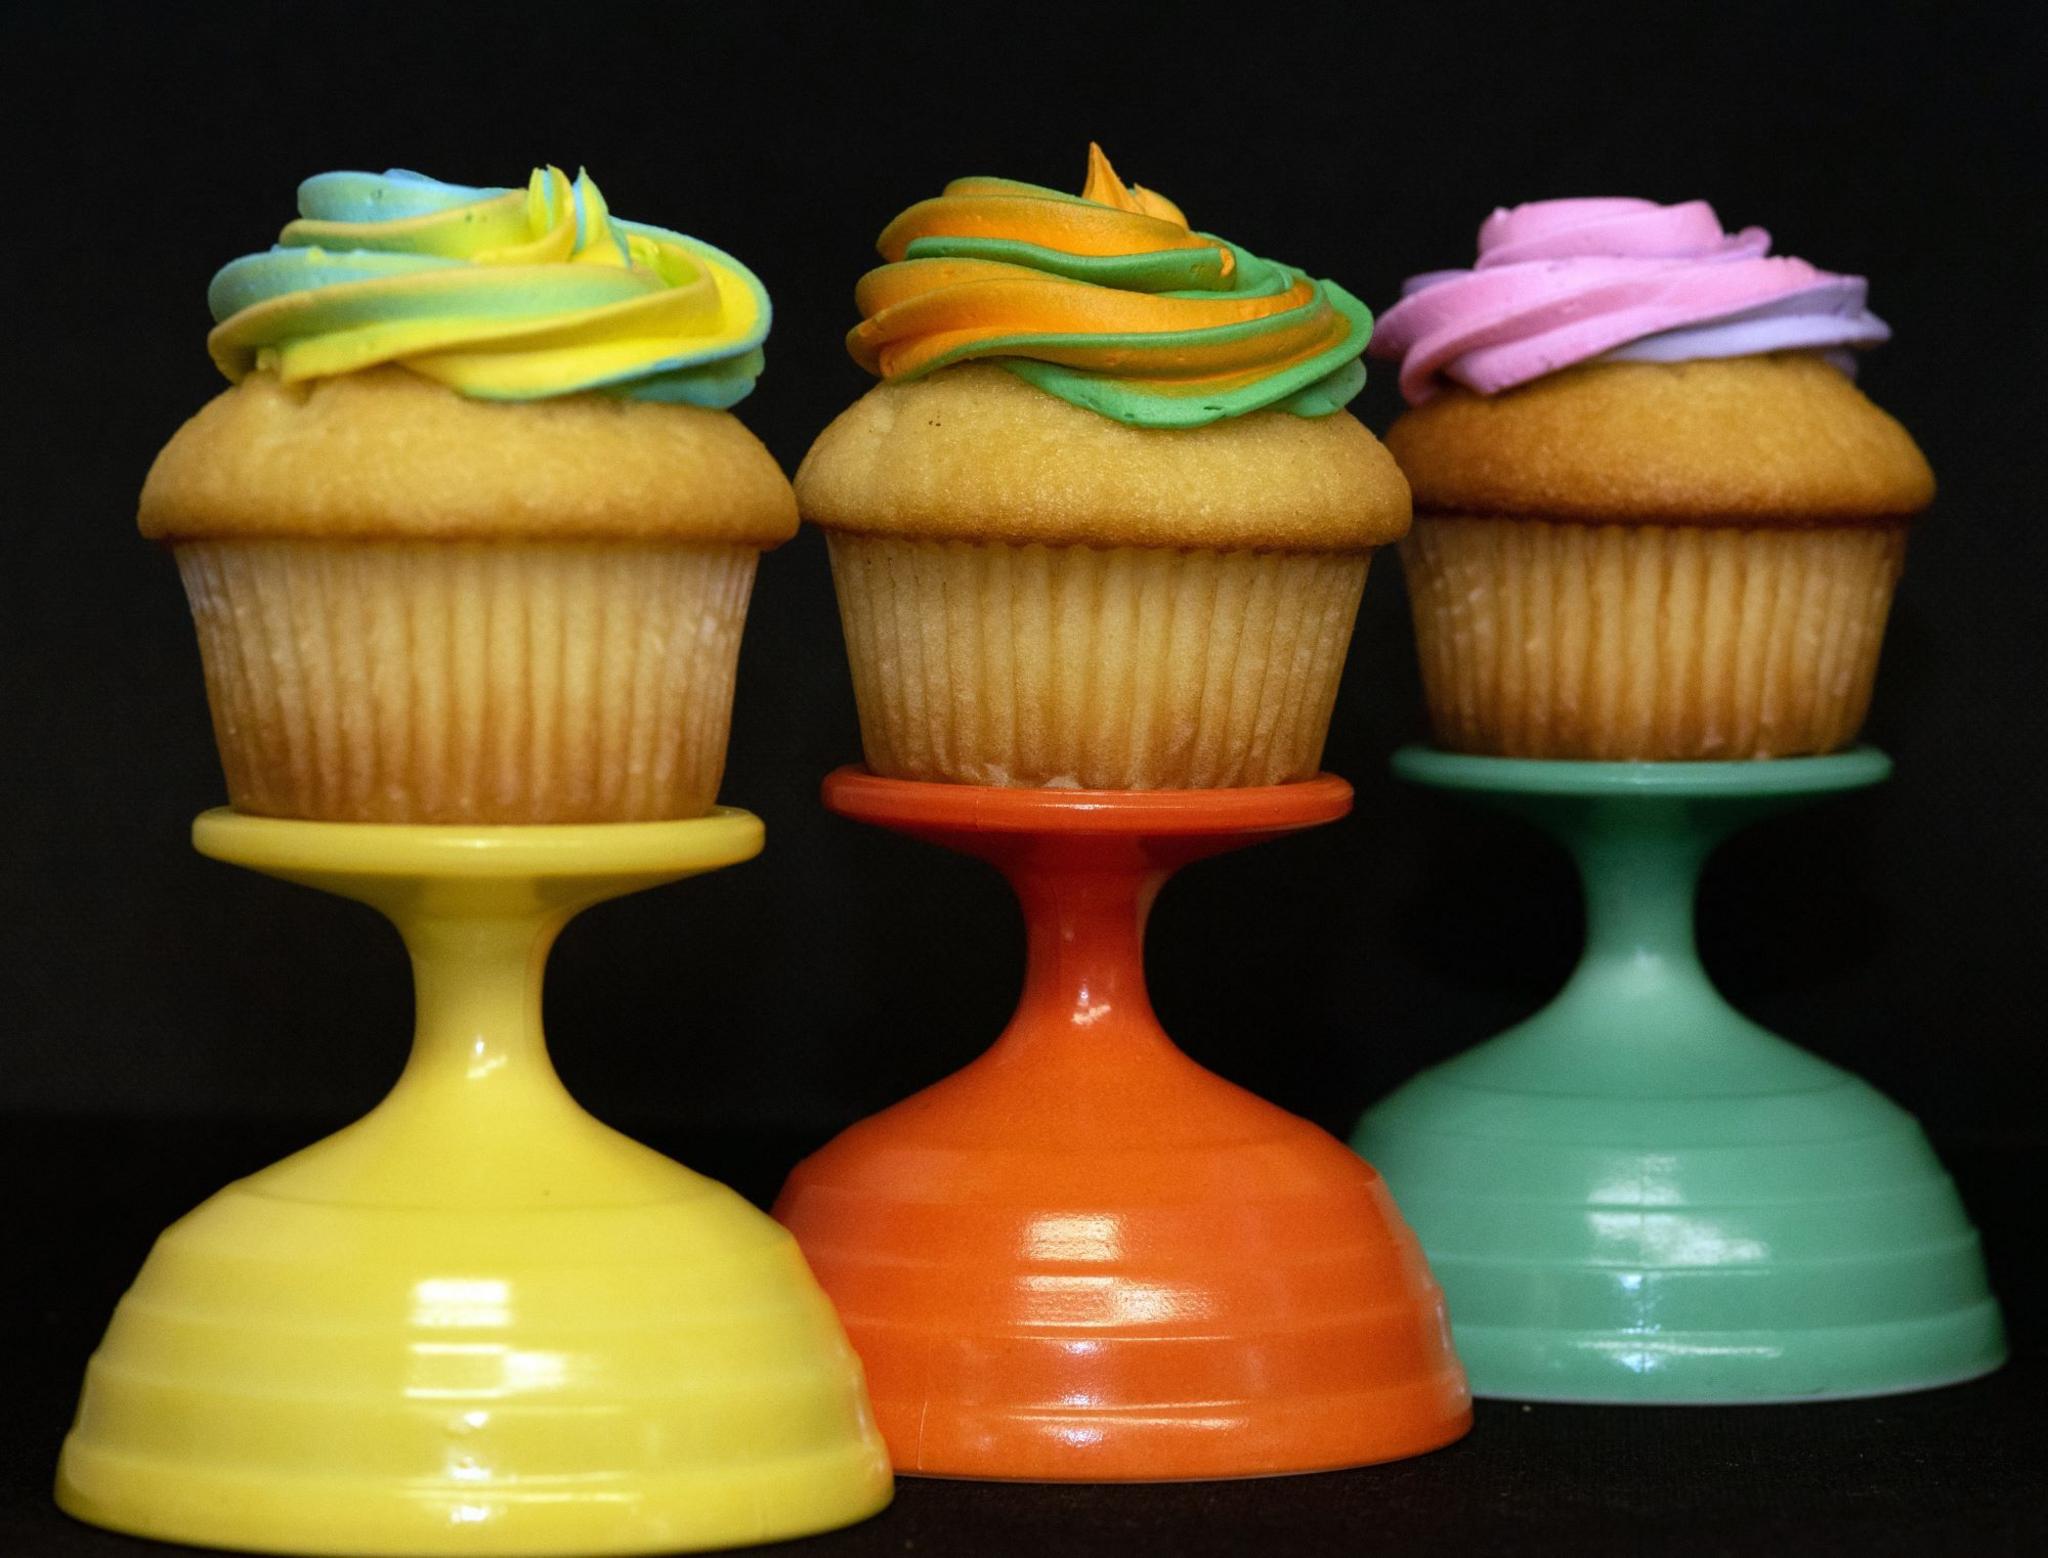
(479, 911)
(477, 994)
(1639, 1015)
(1084, 919)
(1639, 866)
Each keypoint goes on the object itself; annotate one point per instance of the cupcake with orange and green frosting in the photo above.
(1105, 522)
(471, 536)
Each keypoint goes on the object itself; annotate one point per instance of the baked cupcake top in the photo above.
(415, 358)
(1617, 360)
(1091, 370)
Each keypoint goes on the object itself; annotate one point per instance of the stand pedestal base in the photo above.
(477, 1321)
(1086, 1258)
(1640, 1196)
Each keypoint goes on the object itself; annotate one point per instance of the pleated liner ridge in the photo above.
(1648, 642)
(499, 682)
(1113, 668)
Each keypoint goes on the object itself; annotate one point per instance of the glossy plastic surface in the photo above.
(476, 1321)
(1084, 1257)
(1638, 1195)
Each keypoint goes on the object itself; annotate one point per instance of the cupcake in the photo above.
(1655, 518)
(470, 537)
(1104, 522)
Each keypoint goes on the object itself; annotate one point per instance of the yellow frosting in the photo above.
(512, 294)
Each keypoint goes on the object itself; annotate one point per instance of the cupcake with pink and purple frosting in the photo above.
(1655, 519)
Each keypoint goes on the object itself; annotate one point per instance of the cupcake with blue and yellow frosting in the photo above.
(471, 535)
(1105, 522)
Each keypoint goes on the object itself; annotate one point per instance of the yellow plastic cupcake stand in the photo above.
(476, 1321)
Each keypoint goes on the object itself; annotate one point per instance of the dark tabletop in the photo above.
(1949, 1471)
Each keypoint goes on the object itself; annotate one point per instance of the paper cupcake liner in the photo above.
(499, 682)
(1126, 668)
(1648, 642)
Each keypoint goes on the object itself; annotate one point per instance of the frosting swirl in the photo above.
(501, 294)
(1560, 282)
(1107, 300)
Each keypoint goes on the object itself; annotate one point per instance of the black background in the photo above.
(171, 1021)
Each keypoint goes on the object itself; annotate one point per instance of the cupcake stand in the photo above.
(1086, 1258)
(477, 1321)
(1638, 1195)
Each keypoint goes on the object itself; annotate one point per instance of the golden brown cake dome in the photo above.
(1782, 438)
(385, 452)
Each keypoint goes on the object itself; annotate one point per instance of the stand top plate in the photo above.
(1850, 770)
(975, 808)
(724, 836)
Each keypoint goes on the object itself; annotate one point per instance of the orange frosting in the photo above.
(1108, 299)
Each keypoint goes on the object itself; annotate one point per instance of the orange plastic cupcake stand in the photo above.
(1083, 1257)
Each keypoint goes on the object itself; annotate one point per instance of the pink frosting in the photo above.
(1560, 282)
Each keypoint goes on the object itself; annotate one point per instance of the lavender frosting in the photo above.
(1560, 282)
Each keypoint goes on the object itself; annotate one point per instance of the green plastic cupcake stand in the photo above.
(1640, 1196)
